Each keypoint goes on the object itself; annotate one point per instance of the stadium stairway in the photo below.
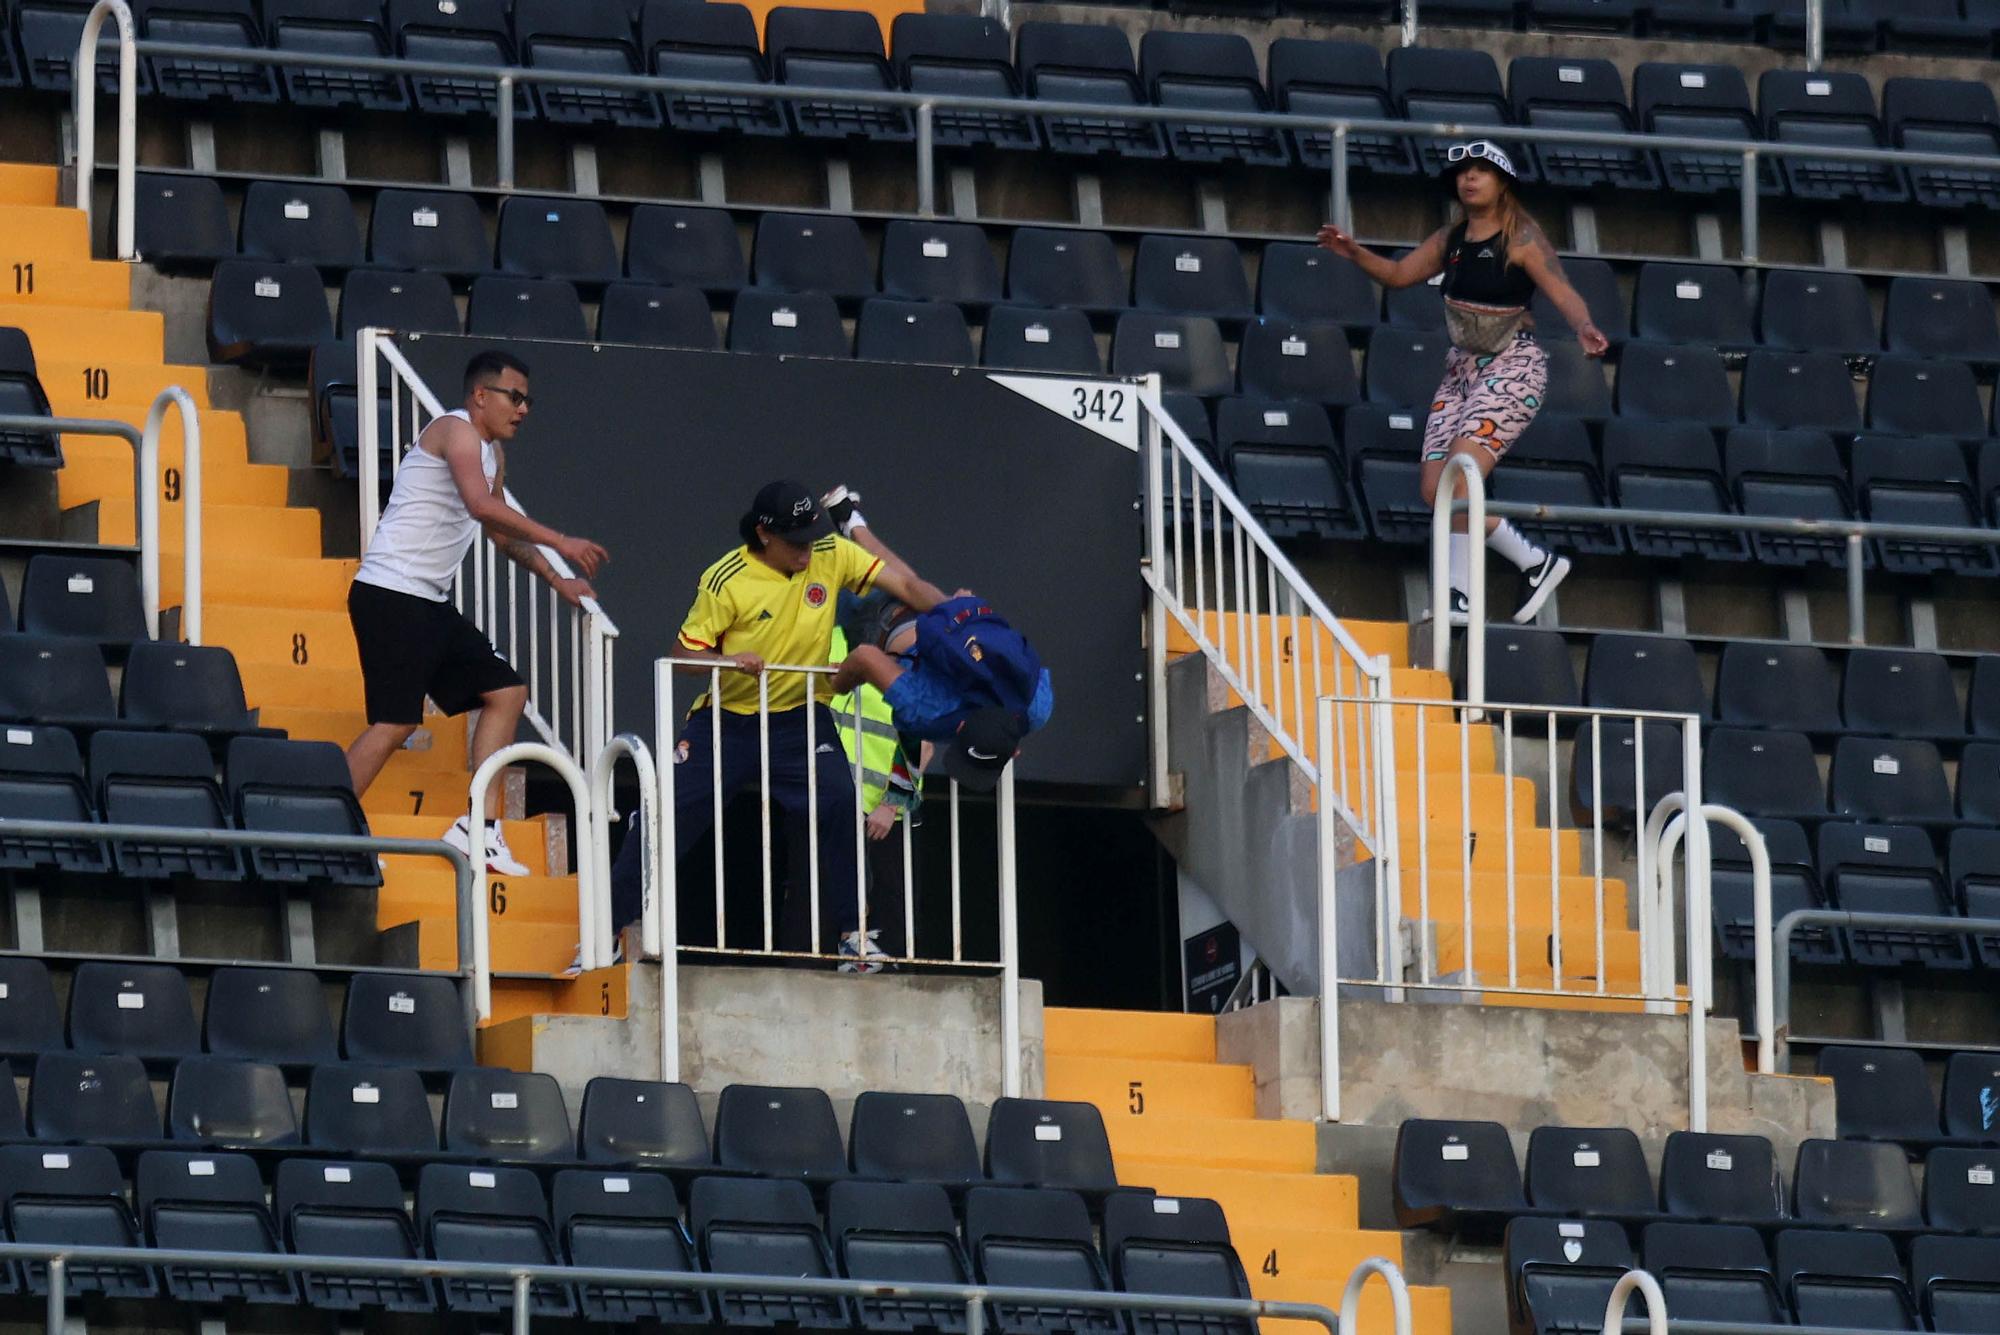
(269, 595)
(1185, 1124)
(1439, 836)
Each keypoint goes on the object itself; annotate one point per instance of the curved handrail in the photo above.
(586, 871)
(148, 511)
(1621, 1294)
(1459, 469)
(83, 89)
(625, 746)
(1399, 1295)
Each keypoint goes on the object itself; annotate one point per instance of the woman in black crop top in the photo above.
(1488, 267)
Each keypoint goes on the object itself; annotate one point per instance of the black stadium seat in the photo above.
(1691, 303)
(1711, 1272)
(1880, 1093)
(1919, 480)
(1029, 338)
(397, 1019)
(181, 223)
(835, 48)
(263, 313)
(1785, 686)
(1700, 101)
(1287, 468)
(1185, 350)
(1285, 359)
(1403, 367)
(646, 1123)
(1970, 1106)
(1958, 1191)
(547, 237)
(340, 28)
(1794, 885)
(22, 395)
(1210, 71)
(298, 788)
(1024, 1238)
(898, 1232)
(1728, 1179)
(625, 1221)
(1065, 268)
(1972, 862)
(544, 308)
(1889, 779)
(1829, 109)
(239, 1104)
(801, 252)
(41, 778)
(1455, 85)
(913, 1138)
(91, 1100)
(1850, 1278)
(1812, 310)
(370, 1110)
(1304, 283)
(939, 261)
(711, 42)
(139, 1010)
(152, 778)
(52, 679)
(83, 597)
(1665, 382)
(1884, 868)
(798, 324)
(1528, 666)
(1588, 1171)
(1900, 693)
(291, 223)
(1955, 116)
(1560, 1273)
(679, 245)
(227, 23)
(29, 1020)
(1176, 1245)
(1190, 276)
(187, 687)
(1445, 1172)
(1854, 1184)
(337, 1208)
(969, 55)
(1953, 1280)
(659, 317)
(489, 1215)
(1763, 773)
(206, 1202)
(1908, 396)
(1597, 284)
(1332, 80)
(928, 332)
(499, 1116)
(1566, 93)
(73, 1197)
(405, 302)
(1082, 62)
(1670, 466)
(1643, 672)
(1049, 1143)
(745, 1226)
(50, 32)
(1787, 390)
(471, 32)
(1792, 474)
(586, 39)
(779, 1132)
(1940, 317)
(430, 231)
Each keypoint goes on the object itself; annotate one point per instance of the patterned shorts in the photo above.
(1490, 397)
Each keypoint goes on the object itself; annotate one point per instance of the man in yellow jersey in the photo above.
(773, 600)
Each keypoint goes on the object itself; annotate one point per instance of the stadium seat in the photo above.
(1880, 1093)
(29, 1021)
(92, 1098)
(429, 231)
(329, 1208)
(1847, 26)
(1794, 885)
(1919, 480)
(678, 245)
(546, 237)
(1529, 667)
(1890, 780)
(1850, 1278)
(1403, 367)
(712, 42)
(286, 787)
(797, 252)
(289, 223)
(418, 303)
(489, 1215)
(1179, 1246)
(226, 23)
(374, 1110)
(498, 1116)
(1955, 116)
(1576, 383)
(1670, 466)
(22, 395)
(151, 778)
(1889, 869)
(50, 679)
(1210, 71)
(1643, 672)
(50, 32)
(1691, 303)
(1793, 475)
(1940, 317)
(1785, 686)
(922, 1138)
(1461, 86)
(651, 1124)
(266, 314)
(928, 332)
(1020, 1149)
(268, 1015)
(779, 1132)
(1958, 1192)
(82, 597)
(1286, 466)
(625, 1221)
(471, 32)
(1711, 1272)
(1699, 101)
(1812, 310)
(41, 778)
(207, 1202)
(536, 308)
(72, 1197)
(1284, 359)
(336, 28)
(1557, 466)
(1024, 1238)
(1934, 25)
(138, 1010)
(658, 317)
(967, 55)
(1565, 93)
(1595, 282)
(1185, 350)
(1831, 110)
(1912, 397)
(1970, 1106)
(1560, 1273)
(180, 222)
(1418, 306)
(797, 324)
(1588, 1171)
(1031, 338)
(1788, 390)
(939, 261)
(1854, 1184)
(186, 687)
(1979, 783)
(1663, 382)
(1184, 275)
(835, 48)
(1613, 790)
(586, 39)
(1721, 1178)
(1303, 283)
(1334, 80)
(1763, 773)
(1447, 1174)
(1953, 1279)
(898, 1232)
(1083, 62)
(1065, 268)
(1900, 693)
(1972, 876)
(396, 1019)
(744, 1226)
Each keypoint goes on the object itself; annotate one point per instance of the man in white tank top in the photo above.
(413, 642)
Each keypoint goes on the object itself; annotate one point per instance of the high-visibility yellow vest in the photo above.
(881, 751)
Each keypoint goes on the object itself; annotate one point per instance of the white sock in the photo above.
(1508, 542)
(1461, 563)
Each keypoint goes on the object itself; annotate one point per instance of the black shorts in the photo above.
(412, 647)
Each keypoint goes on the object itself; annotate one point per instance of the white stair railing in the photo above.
(591, 904)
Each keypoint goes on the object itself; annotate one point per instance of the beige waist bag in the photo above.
(1483, 329)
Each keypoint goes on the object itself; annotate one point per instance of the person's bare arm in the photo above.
(699, 663)
(864, 537)
(459, 449)
(866, 665)
(1539, 258)
(1419, 265)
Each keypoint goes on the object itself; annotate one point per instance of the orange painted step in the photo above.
(310, 687)
(313, 583)
(1579, 962)
(1318, 1253)
(441, 739)
(54, 278)
(1287, 1200)
(503, 1041)
(1375, 638)
(38, 233)
(527, 839)
(1264, 1146)
(286, 635)
(408, 787)
(24, 183)
(81, 481)
(75, 334)
(1160, 1035)
(223, 442)
(423, 888)
(1172, 1089)
(517, 947)
(1430, 1308)
(1576, 897)
(227, 530)
(89, 387)
(1531, 855)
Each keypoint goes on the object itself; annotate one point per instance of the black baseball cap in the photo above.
(787, 509)
(986, 741)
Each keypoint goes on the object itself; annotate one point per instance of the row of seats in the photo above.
(1462, 1175)
(82, 597)
(1009, 1236)
(61, 679)
(1884, 1093)
(1560, 1273)
(273, 1015)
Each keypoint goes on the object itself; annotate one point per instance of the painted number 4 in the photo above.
(1270, 1266)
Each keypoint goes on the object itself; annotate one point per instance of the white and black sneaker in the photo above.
(1542, 581)
(499, 857)
(1461, 608)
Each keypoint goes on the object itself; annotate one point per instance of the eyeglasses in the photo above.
(1478, 148)
(520, 398)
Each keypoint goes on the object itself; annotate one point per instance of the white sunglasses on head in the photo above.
(1478, 148)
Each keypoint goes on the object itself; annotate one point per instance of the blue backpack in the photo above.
(967, 643)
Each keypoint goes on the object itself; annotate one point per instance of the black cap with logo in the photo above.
(986, 741)
(787, 510)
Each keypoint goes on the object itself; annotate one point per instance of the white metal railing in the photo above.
(661, 926)
(564, 654)
(604, 810)
(1357, 1282)
(1648, 1288)
(592, 934)
(147, 510)
(1460, 470)
(83, 106)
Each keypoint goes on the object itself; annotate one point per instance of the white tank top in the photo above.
(425, 530)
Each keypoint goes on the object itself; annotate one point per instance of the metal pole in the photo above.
(1748, 199)
(1399, 1295)
(521, 1304)
(1010, 942)
(370, 463)
(173, 396)
(57, 1318)
(1700, 973)
(663, 924)
(1329, 927)
(1342, 206)
(1815, 33)
(504, 147)
(1857, 610)
(926, 162)
(1156, 608)
(1409, 22)
(1649, 1288)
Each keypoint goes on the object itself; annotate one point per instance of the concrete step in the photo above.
(1139, 1087)
(409, 787)
(1314, 1253)
(227, 530)
(310, 583)
(1531, 855)
(1288, 1200)
(55, 277)
(1159, 1035)
(296, 636)
(84, 480)
(114, 388)
(313, 686)
(224, 443)
(40, 233)
(95, 337)
(1214, 1142)
(506, 1039)
(23, 183)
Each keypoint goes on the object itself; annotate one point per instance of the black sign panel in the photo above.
(1214, 960)
(657, 453)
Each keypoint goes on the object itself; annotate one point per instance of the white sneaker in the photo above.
(860, 954)
(498, 856)
(1542, 581)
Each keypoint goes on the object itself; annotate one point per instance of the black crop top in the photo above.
(1477, 271)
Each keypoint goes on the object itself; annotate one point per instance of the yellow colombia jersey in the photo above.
(744, 607)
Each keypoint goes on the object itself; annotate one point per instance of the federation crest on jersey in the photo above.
(815, 595)
(681, 752)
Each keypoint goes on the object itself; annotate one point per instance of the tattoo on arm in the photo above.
(1537, 242)
(524, 553)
